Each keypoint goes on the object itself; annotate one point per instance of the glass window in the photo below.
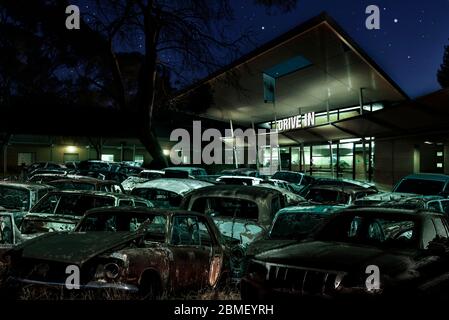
(375, 231)
(159, 198)
(440, 228)
(154, 225)
(125, 203)
(434, 206)
(14, 198)
(71, 204)
(185, 231)
(445, 205)
(107, 157)
(295, 225)
(429, 233)
(6, 229)
(420, 186)
(228, 207)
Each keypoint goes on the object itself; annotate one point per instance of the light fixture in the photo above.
(428, 142)
(350, 140)
(71, 149)
(166, 152)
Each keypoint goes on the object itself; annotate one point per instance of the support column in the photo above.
(331, 159)
(353, 160)
(5, 159)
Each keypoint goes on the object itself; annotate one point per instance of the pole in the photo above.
(233, 144)
(332, 160)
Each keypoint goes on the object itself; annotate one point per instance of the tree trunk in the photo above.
(147, 90)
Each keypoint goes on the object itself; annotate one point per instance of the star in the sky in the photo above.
(396, 20)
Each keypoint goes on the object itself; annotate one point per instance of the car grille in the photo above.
(302, 281)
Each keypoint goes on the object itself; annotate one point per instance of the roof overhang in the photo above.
(338, 69)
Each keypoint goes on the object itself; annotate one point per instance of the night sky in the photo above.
(409, 45)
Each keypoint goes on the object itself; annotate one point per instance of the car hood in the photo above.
(74, 247)
(263, 245)
(339, 256)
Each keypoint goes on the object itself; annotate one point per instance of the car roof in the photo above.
(143, 210)
(366, 211)
(28, 186)
(239, 177)
(339, 188)
(292, 172)
(236, 191)
(94, 193)
(428, 176)
(312, 209)
(85, 180)
(176, 185)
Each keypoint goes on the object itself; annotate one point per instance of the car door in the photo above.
(192, 247)
(8, 233)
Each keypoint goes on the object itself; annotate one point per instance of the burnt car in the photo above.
(62, 210)
(19, 198)
(167, 192)
(431, 203)
(150, 252)
(409, 248)
(87, 184)
(336, 195)
(241, 213)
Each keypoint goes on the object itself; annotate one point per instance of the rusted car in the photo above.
(167, 192)
(410, 248)
(241, 213)
(62, 210)
(412, 202)
(87, 184)
(19, 198)
(150, 252)
(337, 195)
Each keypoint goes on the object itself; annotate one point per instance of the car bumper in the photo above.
(254, 290)
(93, 285)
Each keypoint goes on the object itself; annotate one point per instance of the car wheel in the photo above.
(150, 287)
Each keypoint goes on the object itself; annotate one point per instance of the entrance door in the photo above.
(71, 157)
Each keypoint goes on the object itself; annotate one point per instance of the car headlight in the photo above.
(111, 270)
(108, 271)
